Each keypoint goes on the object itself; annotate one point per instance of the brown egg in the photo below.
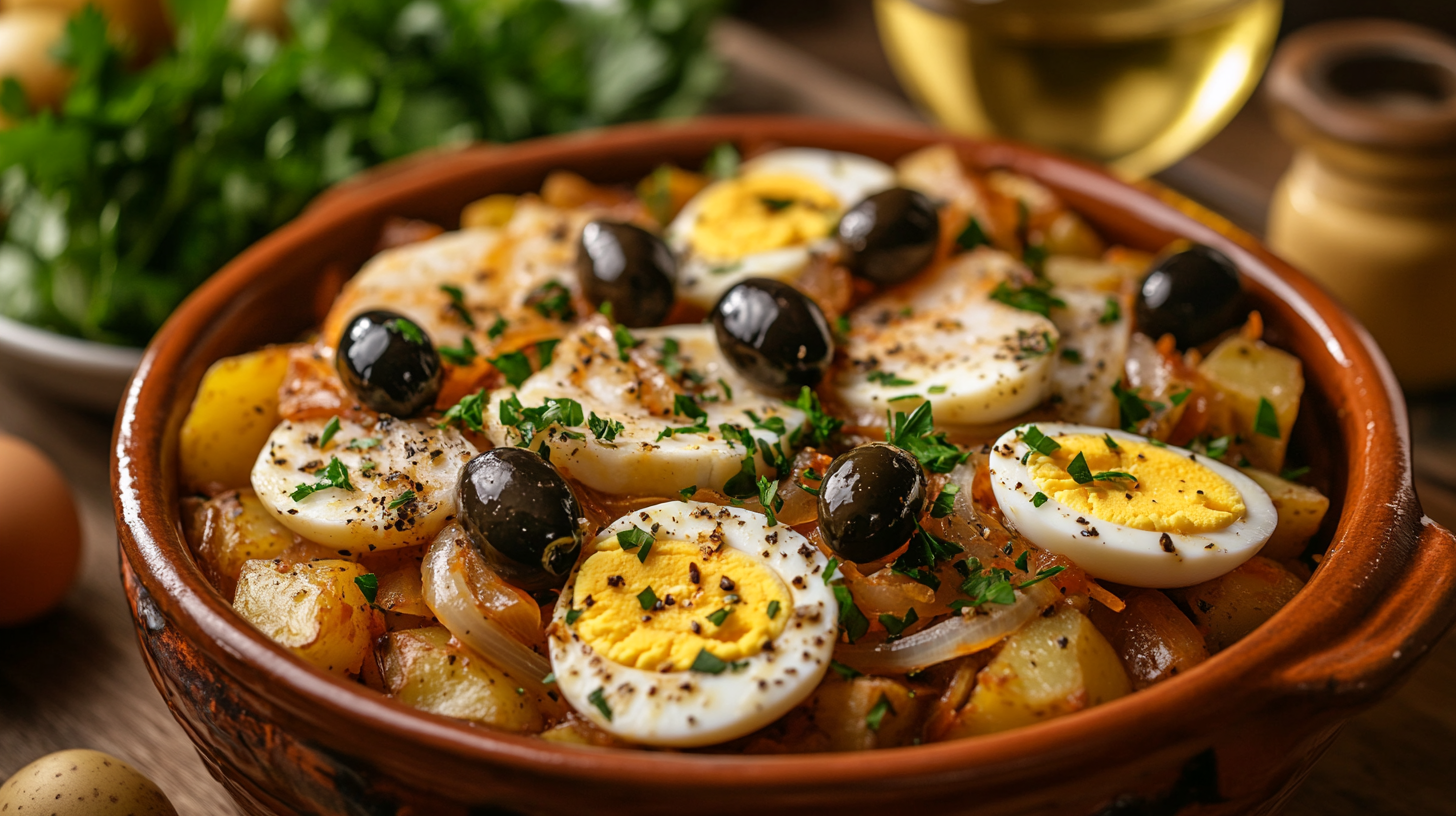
(82, 783)
(40, 535)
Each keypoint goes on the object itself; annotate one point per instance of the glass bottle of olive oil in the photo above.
(1137, 84)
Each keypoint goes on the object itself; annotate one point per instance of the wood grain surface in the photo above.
(75, 679)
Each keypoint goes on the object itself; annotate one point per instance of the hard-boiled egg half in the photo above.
(769, 220)
(691, 624)
(1126, 509)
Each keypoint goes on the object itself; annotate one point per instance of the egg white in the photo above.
(943, 331)
(850, 178)
(689, 708)
(1100, 346)
(412, 455)
(586, 368)
(1120, 553)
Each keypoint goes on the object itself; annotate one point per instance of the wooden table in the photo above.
(75, 679)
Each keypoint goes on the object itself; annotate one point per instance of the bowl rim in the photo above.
(1258, 666)
(69, 353)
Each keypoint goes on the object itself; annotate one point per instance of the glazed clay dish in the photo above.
(769, 463)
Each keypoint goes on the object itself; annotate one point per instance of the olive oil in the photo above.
(1137, 84)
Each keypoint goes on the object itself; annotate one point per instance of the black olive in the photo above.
(870, 501)
(389, 363)
(890, 236)
(773, 334)
(1193, 295)
(628, 267)
(522, 516)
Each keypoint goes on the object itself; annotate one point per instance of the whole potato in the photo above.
(27, 36)
(139, 25)
(82, 783)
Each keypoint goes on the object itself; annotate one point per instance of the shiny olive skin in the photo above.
(1193, 295)
(890, 236)
(522, 516)
(628, 267)
(870, 501)
(388, 367)
(773, 334)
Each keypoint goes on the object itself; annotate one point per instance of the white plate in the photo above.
(78, 372)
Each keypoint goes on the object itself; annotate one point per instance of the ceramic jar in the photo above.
(1368, 206)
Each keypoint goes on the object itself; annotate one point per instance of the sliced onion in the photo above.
(448, 593)
(956, 637)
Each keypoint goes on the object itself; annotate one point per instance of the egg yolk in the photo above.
(692, 587)
(1172, 493)
(761, 213)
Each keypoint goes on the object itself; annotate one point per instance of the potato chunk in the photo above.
(231, 529)
(235, 410)
(423, 668)
(1301, 510)
(1233, 605)
(1048, 668)
(1152, 636)
(1243, 372)
(314, 609)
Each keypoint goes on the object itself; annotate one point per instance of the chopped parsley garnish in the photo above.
(888, 379)
(1082, 474)
(367, 465)
(598, 698)
(465, 355)
(936, 389)
(991, 586)
(1021, 560)
(916, 435)
(925, 552)
(773, 609)
(1216, 448)
(721, 615)
(1030, 345)
(514, 365)
(1266, 421)
(497, 328)
(335, 474)
(545, 350)
(897, 626)
(457, 303)
(1111, 313)
(552, 300)
(362, 443)
(972, 236)
(1032, 297)
(709, 663)
(829, 570)
(410, 331)
(744, 483)
(1040, 442)
(1133, 409)
(572, 615)
(722, 161)
(727, 389)
(684, 405)
(625, 340)
(368, 585)
(528, 422)
(647, 598)
(1039, 499)
(944, 503)
(845, 672)
(1072, 356)
(1041, 576)
(329, 430)
(687, 492)
(768, 496)
(636, 539)
(699, 426)
(669, 361)
(1110, 442)
(818, 426)
(841, 327)
(1034, 256)
(1294, 474)
(1178, 398)
(776, 204)
(851, 619)
(403, 499)
(774, 425)
(469, 412)
(604, 429)
(877, 714)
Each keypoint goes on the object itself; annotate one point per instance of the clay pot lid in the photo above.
(1371, 82)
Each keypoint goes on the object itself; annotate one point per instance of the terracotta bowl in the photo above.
(1234, 735)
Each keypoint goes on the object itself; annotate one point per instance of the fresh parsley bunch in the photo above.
(148, 181)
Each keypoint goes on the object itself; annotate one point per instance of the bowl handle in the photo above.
(1418, 607)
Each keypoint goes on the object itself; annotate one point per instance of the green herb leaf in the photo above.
(727, 389)
(410, 331)
(851, 619)
(972, 236)
(887, 379)
(1110, 442)
(1294, 474)
(552, 300)
(403, 499)
(333, 475)
(1133, 409)
(708, 662)
(897, 626)
(1178, 398)
(1021, 560)
(687, 492)
(368, 585)
(465, 355)
(625, 340)
(604, 429)
(457, 303)
(1039, 499)
(768, 496)
(916, 435)
(1041, 576)
(329, 430)
(497, 328)
(944, 503)
(1111, 313)
(829, 570)
(818, 426)
(1032, 297)
(598, 698)
(722, 162)
(1071, 355)
(549, 679)
(845, 672)
(468, 412)
(1266, 421)
(362, 443)
(514, 365)
(572, 615)
(1040, 442)
(721, 615)
(877, 714)
(773, 609)
(545, 350)
(636, 539)
(647, 598)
